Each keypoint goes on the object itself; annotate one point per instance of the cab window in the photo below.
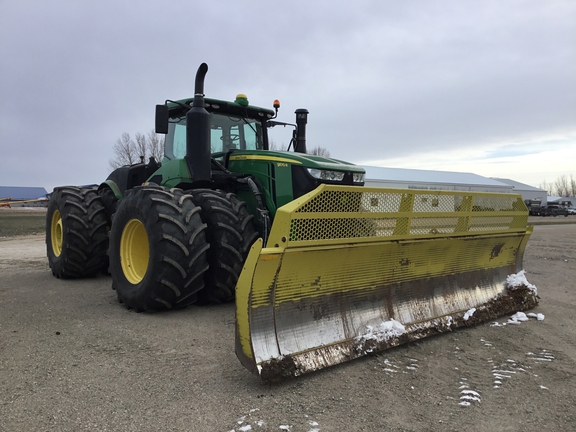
(226, 133)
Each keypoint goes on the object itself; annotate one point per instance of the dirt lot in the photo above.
(73, 359)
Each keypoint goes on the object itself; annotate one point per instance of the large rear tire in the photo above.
(76, 238)
(158, 249)
(230, 233)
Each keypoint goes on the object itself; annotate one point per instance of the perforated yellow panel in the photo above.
(342, 213)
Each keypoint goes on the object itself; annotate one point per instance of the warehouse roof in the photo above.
(430, 177)
(17, 193)
(518, 186)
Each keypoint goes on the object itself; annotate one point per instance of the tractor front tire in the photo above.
(230, 233)
(76, 233)
(158, 249)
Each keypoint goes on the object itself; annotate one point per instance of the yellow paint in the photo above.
(347, 239)
(134, 251)
(264, 158)
(322, 271)
(243, 288)
(56, 233)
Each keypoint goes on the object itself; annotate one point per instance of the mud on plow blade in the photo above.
(349, 271)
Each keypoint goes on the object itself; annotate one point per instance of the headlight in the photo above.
(358, 178)
(326, 175)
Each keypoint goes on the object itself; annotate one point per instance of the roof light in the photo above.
(241, 99)
(276, 103)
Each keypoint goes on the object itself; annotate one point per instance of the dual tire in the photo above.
(158, 249)
(167, 248)
(230, 233)
(76, 233)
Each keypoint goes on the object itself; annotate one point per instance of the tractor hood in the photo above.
(301, 159)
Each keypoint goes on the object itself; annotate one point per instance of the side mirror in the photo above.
(161, 119)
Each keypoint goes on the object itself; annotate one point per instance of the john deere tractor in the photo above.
(180, 230)
(323, 269)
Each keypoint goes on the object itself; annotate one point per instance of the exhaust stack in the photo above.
(198, 133)
(301, 120)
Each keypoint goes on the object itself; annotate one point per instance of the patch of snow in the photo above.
(519, 279)
(245, 428)
(469, 313)
(384, 332)
(467, 395)
(285, 427)
(538, 316)
(472, 398)
(517, 318)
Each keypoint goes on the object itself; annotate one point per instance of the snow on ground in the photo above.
(467, 395)
(254, 421)
(518, 318)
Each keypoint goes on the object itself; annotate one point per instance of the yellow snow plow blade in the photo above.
(348, 271)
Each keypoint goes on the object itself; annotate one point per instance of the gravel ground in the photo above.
(73, 359)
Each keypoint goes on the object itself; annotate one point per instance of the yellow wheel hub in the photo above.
(134, 251)
(56, 233)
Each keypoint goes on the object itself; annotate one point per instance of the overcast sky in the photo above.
(487, 87)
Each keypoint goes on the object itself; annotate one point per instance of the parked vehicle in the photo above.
(534, 206)
(553, 210)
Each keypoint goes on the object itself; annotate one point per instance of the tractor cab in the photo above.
(233, 126)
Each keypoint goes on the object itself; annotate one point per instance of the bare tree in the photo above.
(125, 151)
(129, 151)
(547, 186)
(319, 151)
(141, 146)
(561, 186)
(572, 185)
(272, 145)
(155, 145)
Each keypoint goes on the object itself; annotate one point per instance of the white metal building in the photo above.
(432, 180)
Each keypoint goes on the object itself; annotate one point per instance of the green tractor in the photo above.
(179, 231)
(323, 269)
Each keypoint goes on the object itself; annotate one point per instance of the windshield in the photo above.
(227, 133)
